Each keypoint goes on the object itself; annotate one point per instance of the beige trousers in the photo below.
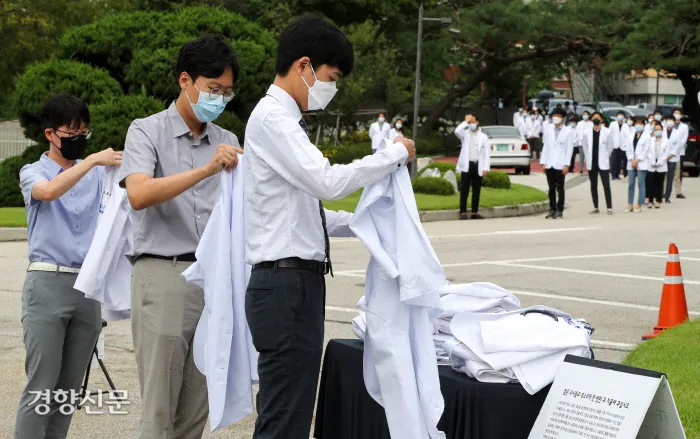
(164, 314)
(677, 178)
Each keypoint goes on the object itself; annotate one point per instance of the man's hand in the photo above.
(107, 157)
(468, 118)
(410, 147)
(225, 157)
(565, 170)
(635, 163)
(670, 156)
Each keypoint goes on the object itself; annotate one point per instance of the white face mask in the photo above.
(670, 124)
(657, 117)
(585, 117)
(677, 116)
(399, 125)
(630, 122)
(321, 94)
(556, 120)
(381, 119)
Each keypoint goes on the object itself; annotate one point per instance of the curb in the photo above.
(488, 212)
(11, 234)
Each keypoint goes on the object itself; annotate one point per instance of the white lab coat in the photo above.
(582, 128)
(532, 128)
(683, 137)
(641, 153)
(223, 346)
(475, 297)
(465, 135)
(659, 159)
(105, 275)
(676, 143)
(517, 117)
(401, 294)
(394, 134)
(377, 133)
(605, 148)
(557, 151)
(532, 346)
(619, 134)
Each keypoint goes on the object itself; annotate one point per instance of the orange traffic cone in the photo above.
(674, 309)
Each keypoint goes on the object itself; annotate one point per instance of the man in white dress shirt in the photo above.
(556, 153)
(287, 229)
(683, 143)
(379, 131)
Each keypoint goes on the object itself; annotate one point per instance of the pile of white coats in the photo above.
(223, 346)
(105, 275)
(403, 279)
(483, 332)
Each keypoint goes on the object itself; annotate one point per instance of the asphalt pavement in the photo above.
(607, 269)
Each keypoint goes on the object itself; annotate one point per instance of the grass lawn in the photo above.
(517, 194)
(12, 217)
(676, 353)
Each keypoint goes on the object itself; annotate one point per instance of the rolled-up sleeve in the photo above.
(139, 152)
(29, 175)
(338, 224)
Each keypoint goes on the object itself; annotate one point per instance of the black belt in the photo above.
(297, 263)
(187, 257)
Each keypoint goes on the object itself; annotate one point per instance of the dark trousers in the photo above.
(285, 309)
(473, 179)
(605, 178)
(555, 180)
(535, 149)
(655, 186)
(672, 169)
(573, 158)
(618, 160)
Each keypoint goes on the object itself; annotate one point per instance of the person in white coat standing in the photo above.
(397, 131)
(675, 136)
(474, 162)
(584, 125)
(379, 131)
(684, 131)
(620, 131)
(637, 150)
(556, 153)
(658, 166)
(533, 127)
(599, 146)
(517, 116)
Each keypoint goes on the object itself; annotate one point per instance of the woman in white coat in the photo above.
(474, 162)
(637, 150)
(599, 146)
(658, 153)
(397, 131)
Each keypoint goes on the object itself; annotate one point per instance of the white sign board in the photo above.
(598, 400)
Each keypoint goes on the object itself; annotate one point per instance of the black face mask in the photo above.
(596, 122)
(73, 148)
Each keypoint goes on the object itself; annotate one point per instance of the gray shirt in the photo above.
(159, 146)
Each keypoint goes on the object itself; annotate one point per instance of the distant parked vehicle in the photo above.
(691, 164)
(508, 148)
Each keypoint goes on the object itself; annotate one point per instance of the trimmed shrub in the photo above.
(433, 186)
(10, 194)
(231, 122)
(41, 81)
(433, 145)
(442, 166)
(496, 180)
(345, 154)
(111, 120)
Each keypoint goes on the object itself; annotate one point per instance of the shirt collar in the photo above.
(285, 100)
(178, 124)
(52, 167)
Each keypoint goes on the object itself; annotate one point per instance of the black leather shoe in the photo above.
(550, 214)
(463, 216)
(558, 215)
(477, 216)
(681, 196)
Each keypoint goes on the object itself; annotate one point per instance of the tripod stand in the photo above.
(83, 390)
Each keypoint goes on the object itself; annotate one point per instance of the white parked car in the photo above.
(508, 148)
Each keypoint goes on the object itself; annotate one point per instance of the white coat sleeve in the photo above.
(570, 147)
(460, 130)
(338, 224)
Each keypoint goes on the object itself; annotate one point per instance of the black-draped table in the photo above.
(473, 410)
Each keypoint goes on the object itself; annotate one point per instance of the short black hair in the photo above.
(597, 113)
(476, 119)
(640, 119)
(381, 113)
(586, 112)
(64, 109)
(566, 103)
(621, 113)
(312, 36)
(669, 117)
(657, 111)
(209, 57)
(558, 112)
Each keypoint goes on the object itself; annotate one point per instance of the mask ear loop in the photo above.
(313, 72)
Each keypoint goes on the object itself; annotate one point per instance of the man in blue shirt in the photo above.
(62, 198)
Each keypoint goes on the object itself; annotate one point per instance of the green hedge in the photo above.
(111, 120)
(41, 81)
(10, 195)
(345, 154)
(433, 186)
(432, 145)
(442, 166)
(497, 180)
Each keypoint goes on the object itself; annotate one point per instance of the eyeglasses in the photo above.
(215, 93)
(74, 135)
